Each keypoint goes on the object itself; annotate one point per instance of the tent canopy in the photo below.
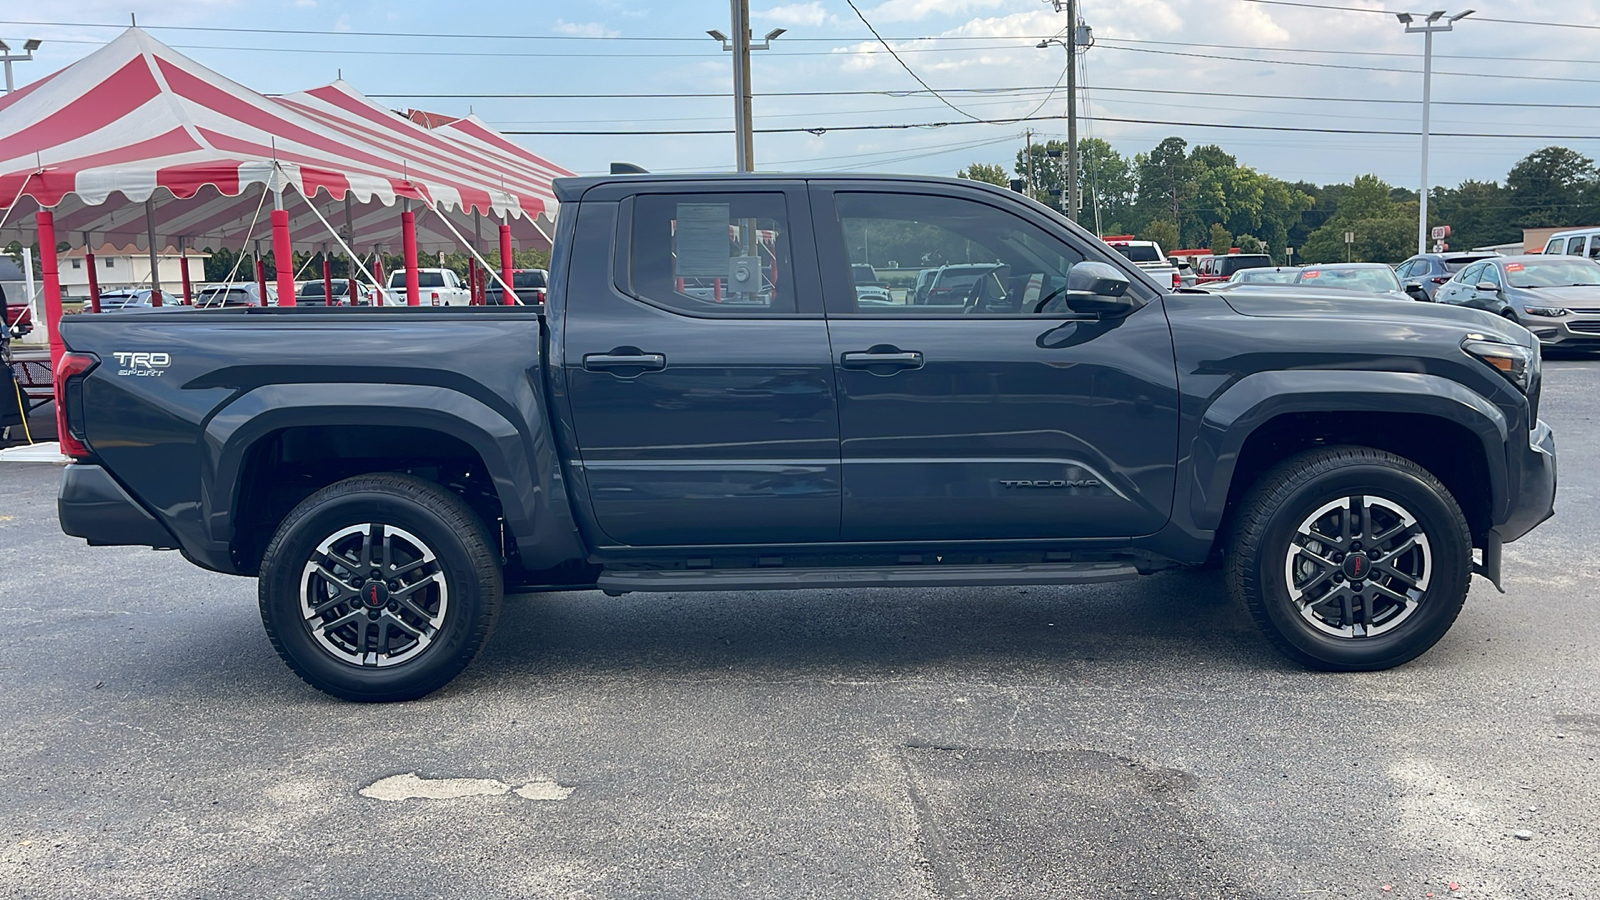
(137, 121)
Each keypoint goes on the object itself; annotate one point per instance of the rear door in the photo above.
(697, 364)
(1001, 414)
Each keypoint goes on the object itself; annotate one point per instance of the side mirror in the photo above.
(1415, 289)
(1488, 287)
(1100, 288)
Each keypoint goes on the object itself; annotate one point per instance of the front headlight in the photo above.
(1550, 311)
(1517, 363)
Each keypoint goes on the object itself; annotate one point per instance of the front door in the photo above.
(700, 378)
(990, 411)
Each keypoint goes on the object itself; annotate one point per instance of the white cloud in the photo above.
(583, 29)
(917, 10)
(793, 14)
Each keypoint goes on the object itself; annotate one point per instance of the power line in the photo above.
(1285, 62)
(1521, 59)
(936, 94)
(1387, 12)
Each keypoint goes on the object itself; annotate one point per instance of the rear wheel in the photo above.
(380, 588)
(1351, 558)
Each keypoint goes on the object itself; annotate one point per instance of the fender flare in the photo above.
(1253, 401)
(507, 453)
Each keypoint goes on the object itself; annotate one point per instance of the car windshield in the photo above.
(1137, 253)
(1552, 273)
(1374, 280)
(1265, 276)
(314, 288)
(1228, 265)
(527, 279)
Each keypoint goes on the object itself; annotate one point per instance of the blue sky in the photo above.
(1234, 57)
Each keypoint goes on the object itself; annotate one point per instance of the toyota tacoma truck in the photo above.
(387, 474)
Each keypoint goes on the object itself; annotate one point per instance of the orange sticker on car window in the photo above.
(1514, 267)
(1311, 274)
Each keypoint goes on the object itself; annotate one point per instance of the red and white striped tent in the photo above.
(136, 141)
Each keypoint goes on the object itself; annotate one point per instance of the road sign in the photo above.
(1440, 232)
(1349, 237)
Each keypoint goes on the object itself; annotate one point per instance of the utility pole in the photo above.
(1027, 137)
(741, 45)
(1074, 40)
(28, 46)
(1427, 29)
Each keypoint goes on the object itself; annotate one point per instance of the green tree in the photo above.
(985, 172)
(1163, 232)
(1221, 240)
(1167, 181)
(1552, 186)
(1249, 243)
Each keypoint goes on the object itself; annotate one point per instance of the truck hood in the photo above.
(1301, 303)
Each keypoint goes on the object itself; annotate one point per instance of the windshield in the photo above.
(1137, 253)
(527, 279)
(1227, 265)
(1552, 273)
(1374, 280)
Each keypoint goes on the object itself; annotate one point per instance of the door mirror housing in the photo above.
(1488, 287)
(1099, 288)
(1416, 290)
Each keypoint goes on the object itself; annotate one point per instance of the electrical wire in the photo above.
(1387, 12)
(903, 65)
(1316, 65)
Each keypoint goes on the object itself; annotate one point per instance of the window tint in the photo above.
(1404, 271)
(1472, 275)
(1594, 246)
(1137, 253)
(1491, 275)
(713, 254)
(531, 279)
(968, 257)
(1575, 246)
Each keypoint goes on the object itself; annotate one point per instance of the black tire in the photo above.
(1323, 628)
(349, 636)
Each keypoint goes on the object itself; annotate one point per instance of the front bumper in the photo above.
(1567, 333)
(1533, 469)
(93, 506)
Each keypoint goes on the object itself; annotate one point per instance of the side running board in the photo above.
(753, 579)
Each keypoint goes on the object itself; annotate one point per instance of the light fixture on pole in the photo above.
(8, 57)
(1427, 29)
(1077, 36)
(741, 45)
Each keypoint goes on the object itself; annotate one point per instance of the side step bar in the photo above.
(754, 579)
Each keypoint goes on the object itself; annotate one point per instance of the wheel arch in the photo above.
(337, 431)
(1433, 421)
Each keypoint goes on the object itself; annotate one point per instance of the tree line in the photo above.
(1180, 196)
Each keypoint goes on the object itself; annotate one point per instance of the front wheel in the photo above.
(1350, 558)
(380, 588)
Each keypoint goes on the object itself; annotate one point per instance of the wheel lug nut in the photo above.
(393, 605)
(372, 614)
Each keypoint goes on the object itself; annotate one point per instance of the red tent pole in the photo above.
(261, 275)
(327, 279)
(183, 266)
(505, 264)
(377, 272)
(472, 282)
(408, 227)
(52, 284)
(282, 256)
(94, 280)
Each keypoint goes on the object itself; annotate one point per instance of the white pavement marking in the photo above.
(411, 787)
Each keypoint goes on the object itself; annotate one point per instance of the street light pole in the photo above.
(1430, 25)
(8, 57)
(741, 45)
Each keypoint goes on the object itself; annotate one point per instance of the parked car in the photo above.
(125, 298)
(312, 292)
(1433, 269)
(1584, 242)
(1375, 279)
(1221, 268)
(1555, 297)
(239, 294)
(530, 285)
(951, 285)
(1147, 255)
(435, 287)
(869, 288)
(1271, 275)
(389, 474)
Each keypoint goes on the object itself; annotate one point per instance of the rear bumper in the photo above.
(1535, 474)
(93, 506)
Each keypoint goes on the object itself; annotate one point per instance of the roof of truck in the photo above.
(568, 190)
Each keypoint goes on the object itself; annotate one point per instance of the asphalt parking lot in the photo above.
(1131, 740)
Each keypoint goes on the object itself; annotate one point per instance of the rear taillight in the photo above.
(1177, 280)
(435, 296)
(69, 402)
(1439, 279)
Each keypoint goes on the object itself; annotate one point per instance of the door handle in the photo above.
(891, 358)
(623, 359)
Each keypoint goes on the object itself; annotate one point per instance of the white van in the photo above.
(1584, 242)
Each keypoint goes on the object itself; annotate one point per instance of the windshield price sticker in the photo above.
(702, 240)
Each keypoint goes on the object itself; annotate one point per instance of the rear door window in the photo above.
(712, 254)
(1575, 246)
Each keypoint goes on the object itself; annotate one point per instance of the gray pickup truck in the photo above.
(705, 402)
